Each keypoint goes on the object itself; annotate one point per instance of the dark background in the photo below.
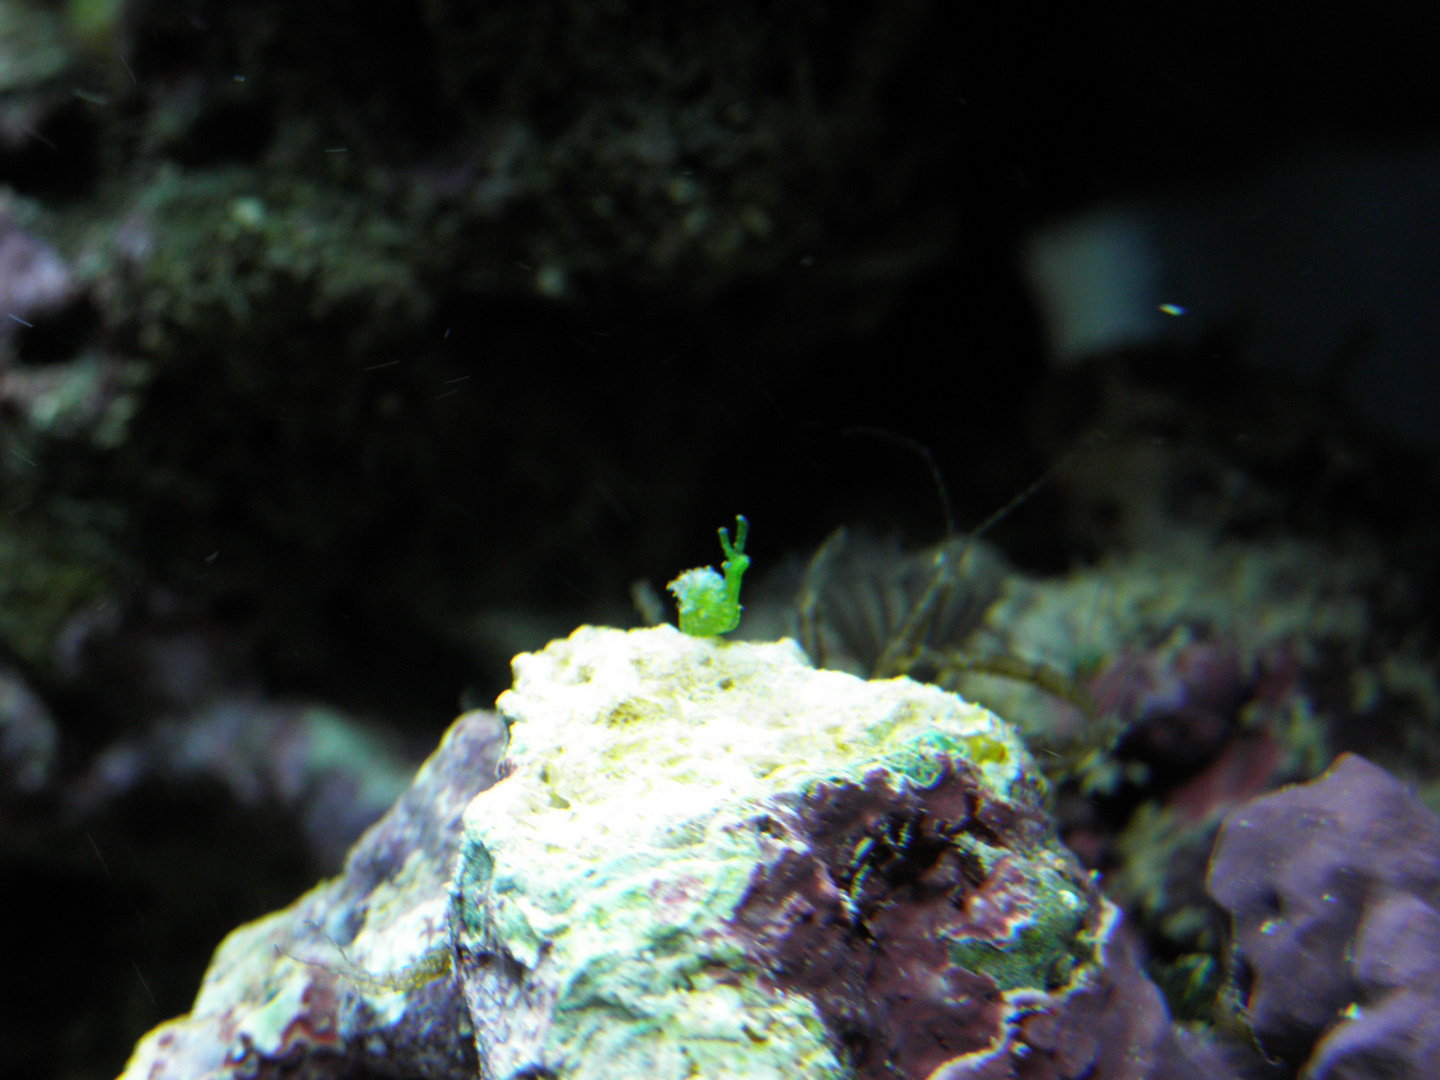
(383, 537)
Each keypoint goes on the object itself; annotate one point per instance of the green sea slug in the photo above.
(709, 604)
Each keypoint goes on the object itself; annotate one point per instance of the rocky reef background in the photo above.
(346, 350)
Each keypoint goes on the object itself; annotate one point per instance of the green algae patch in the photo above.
(1046, 943)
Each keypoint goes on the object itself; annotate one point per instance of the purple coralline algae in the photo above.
(353, 978)
(34, 279)
(29, 740)
(1334, 891)
(946, 965)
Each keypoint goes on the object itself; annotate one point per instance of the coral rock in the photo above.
(1334, 889)
(710, 860)
(280, 999)
(34, 279)
(701, 860)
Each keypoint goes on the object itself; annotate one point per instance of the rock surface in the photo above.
(711, 860)
(281, 998)
(701, 859)
(1334, 889)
